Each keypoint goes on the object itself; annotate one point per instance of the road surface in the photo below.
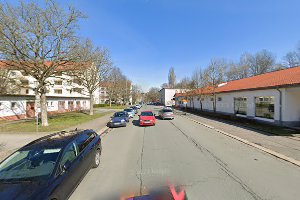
(207, 164)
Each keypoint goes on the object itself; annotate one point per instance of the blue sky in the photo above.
(147, 37)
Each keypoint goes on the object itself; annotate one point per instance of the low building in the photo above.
(166, 96)
(273, 97)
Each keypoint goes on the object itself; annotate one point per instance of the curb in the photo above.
(264, 149)
(102, 131)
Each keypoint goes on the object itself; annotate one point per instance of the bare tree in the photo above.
(92, 68)
(262, 62)
(136, 93)
(237, 71)
(198, 84)
(291, 59)
(153, 94)
(172, 77)
(38, 40)
(164, 85)
(114, 85)
(213, 76)
(185, 83)
(8, 83)
(125, 89)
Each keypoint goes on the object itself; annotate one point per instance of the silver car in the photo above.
(166, 113)
(130, 112)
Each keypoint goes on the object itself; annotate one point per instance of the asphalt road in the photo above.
(207, 164)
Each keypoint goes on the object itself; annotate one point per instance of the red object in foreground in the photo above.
(168, 193)
(147, 118)
(175, 195)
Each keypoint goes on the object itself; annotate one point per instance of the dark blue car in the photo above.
(50, 167)
(119, 119)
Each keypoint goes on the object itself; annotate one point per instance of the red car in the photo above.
(147, 118)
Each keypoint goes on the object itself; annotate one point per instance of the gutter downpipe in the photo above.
(280, 105)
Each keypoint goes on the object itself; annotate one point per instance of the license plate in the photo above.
(117, 123)
(147, 122)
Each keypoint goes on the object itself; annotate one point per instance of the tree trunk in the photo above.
(91, 104)
(44, 114)
(193, 103)
(215, 103)
(201, 105)
(109, 102)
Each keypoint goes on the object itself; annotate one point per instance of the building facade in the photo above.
(166, 96)
(273, 97)
(64, 94)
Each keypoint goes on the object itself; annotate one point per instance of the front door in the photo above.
(30, 109)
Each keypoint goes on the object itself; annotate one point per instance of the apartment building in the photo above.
(64, 94)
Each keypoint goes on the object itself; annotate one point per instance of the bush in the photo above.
(100, 105)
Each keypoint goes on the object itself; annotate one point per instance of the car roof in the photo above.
(55, 140)
(147, 111)
(120, 112)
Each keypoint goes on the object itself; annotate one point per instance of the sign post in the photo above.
(37, 110)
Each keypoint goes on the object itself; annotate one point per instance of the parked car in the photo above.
(138, 106)
(166, 113)
(130, 112)
(135, 109)
(50, 167)
(147, 118)
(119, 119)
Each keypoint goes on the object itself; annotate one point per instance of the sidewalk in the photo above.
(9, 142)
(286, 145)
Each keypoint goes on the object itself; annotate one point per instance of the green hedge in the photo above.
(100, 105)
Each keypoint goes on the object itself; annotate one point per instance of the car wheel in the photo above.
(96, 162)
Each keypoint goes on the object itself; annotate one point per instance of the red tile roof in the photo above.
(286, 77)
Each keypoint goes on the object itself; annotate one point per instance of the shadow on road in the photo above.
(136, 122)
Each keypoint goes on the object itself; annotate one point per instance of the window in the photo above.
(240, 105)
(69, 155)
(13, 105)
(212, 99)
(58, 82)
(77, 81)
(84, 140)
(29, 165)
(202, 99)
(79, 90)
(219, 98)
(13, 73)
(59, 73)
(27, 91)
(24, 82)
(24, 73)
(58, 91)
(264, 107)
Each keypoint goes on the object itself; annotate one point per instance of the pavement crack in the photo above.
(222, 164)
(140, 178)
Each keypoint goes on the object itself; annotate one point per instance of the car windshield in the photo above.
(119, 114)
(146, 114)
(128, 110)
(29, 165)
(167, 110)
